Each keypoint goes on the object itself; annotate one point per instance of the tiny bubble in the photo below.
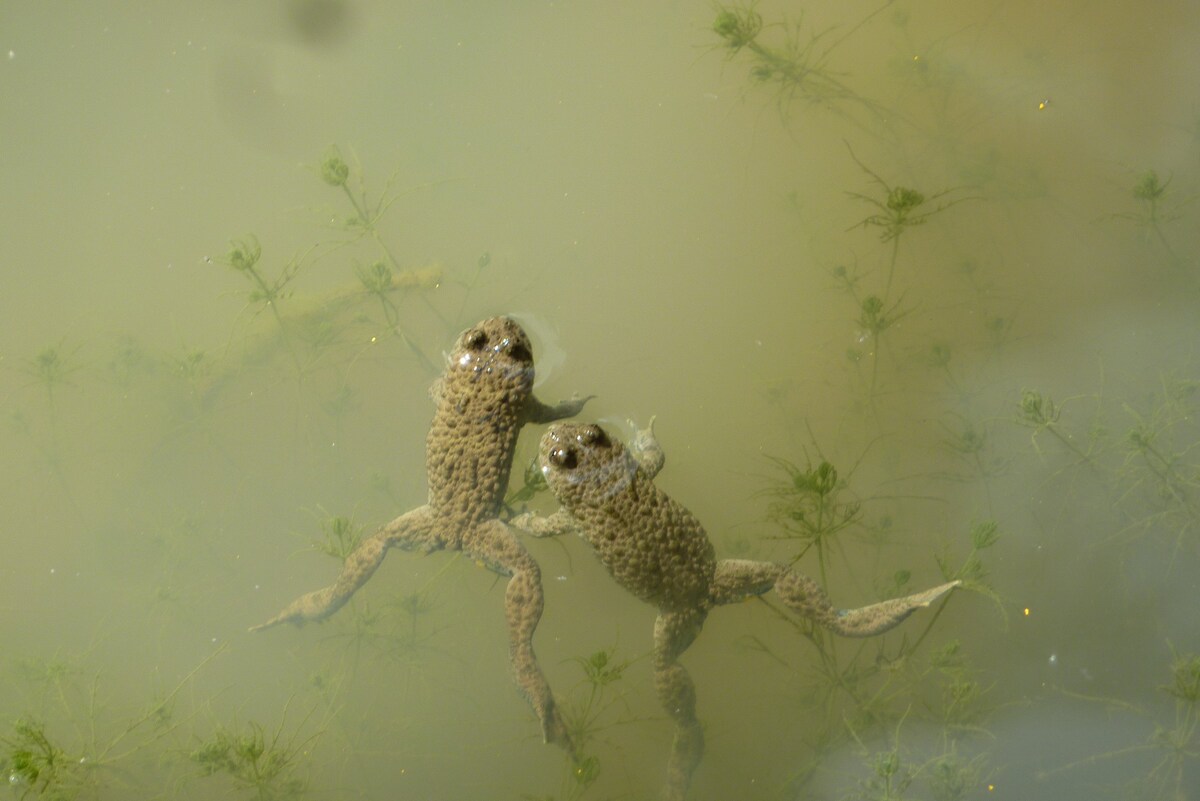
(1053, 660)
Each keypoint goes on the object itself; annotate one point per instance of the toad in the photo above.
(482, 400)
(657, 550)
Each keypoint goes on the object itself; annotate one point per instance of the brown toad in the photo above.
(482, 399)
(657, 550)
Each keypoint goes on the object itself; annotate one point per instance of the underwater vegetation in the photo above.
(858, 690)
(335, 330)
(1156, 208)
(1128, 458)
(969, 459)
(70, 744)
(898, 210)
(591, 708)
(260, 765)
(1170, 753)
(796, 65)
(1144, 455)
(60, 736)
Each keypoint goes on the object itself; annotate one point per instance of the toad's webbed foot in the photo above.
(877, 618)
(316, 605)
(407, 531)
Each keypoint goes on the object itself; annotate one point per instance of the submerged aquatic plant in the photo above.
(266, 292)
(1041, 414)
(83, 757)
(262, 765)
(812, 504)
(896, 774)
(970, 442)
(1159, 475)
(402, 630)
(899, 209)
(533, 483)
(340, 535)
(1174, 742)
(382, 277)
(874, 319)
(1150, 191)
(971, 571)
(798, 66)
(35, 765)
(50, 367)
(589, 709)
(856, 687)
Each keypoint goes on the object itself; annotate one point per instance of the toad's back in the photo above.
(653, 546)
(479, 411)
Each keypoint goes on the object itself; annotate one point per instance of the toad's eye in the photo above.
(520, 353)
(564, 458)
(594, 435)
(476, 340)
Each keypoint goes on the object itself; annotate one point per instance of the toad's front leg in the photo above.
(537, 412)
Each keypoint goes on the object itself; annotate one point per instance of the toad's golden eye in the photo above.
(594, 435)
(564, 458)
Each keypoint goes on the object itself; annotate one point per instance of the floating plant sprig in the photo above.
(799, 66)
(1152, 194)
(384, 276)
(1174, 742)
(266, 293)
(899, 209)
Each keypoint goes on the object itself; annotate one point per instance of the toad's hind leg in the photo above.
(738, 579)
(673, 633)
(805, 597)
(409, 530)
(493, 543)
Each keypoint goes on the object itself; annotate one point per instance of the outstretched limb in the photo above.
(408, 531)
(537, 412)
(738, 579)
(494, 544)
(645, 449)
(561, 522)
(806, 598)
(674, 632)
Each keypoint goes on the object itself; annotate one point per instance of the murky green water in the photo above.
(948, 248)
